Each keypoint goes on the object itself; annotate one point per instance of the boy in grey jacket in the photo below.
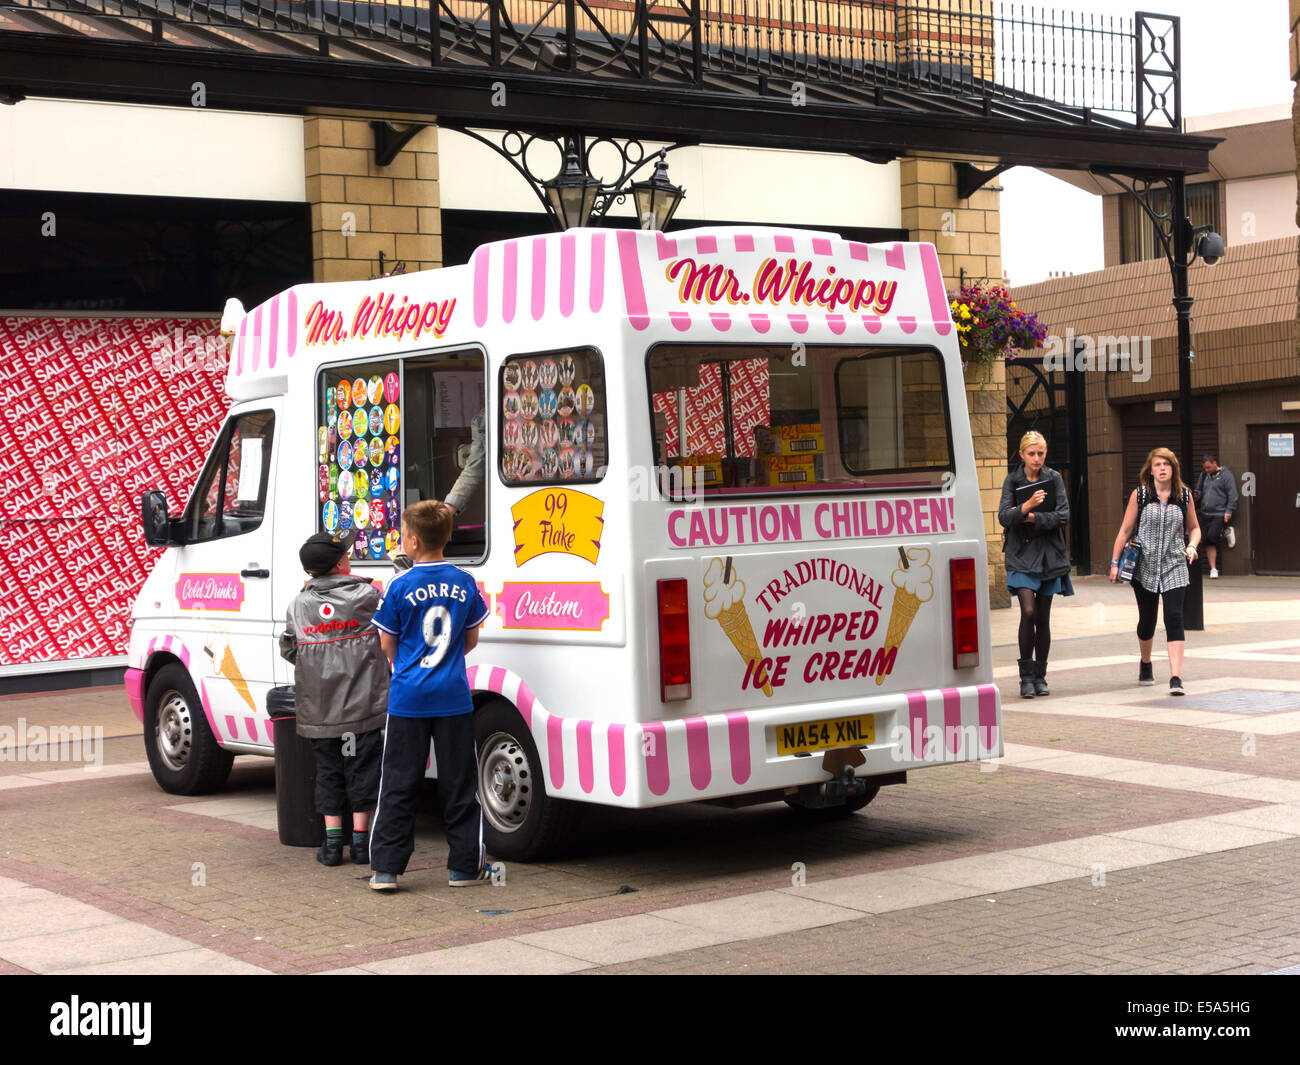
(340, 689)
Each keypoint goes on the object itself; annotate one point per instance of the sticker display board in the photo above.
(99, 410)
(553, 418)
(358, 456)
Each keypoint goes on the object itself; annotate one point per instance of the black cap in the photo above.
(321, 552)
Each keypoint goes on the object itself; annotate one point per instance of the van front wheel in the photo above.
(520, 821)
(183, 754)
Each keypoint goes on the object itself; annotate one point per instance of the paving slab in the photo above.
(623, 939)
(1109, 852)
(495, 957)
(196, 961)
(115, 941)
(764, 913)
(43, 913)
(1202, 835)
(1263, 789)
(1276, 818)
(884, 891)
(1003, 871)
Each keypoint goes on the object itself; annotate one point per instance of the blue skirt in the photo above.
(1041, 585)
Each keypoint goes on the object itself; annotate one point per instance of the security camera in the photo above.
(1209, 246)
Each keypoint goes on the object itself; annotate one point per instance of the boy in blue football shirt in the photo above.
(427, 623)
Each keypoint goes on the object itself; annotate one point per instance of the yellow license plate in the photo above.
(825, 735)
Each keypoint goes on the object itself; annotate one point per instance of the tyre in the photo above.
(833, 813)
(183, 753)
(520, 821)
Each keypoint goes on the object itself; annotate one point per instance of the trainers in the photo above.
(483, 876)
(1145, 674)
(1230, 536)
(330, 853)
(360, 849)
(1214, 574)
(383, 881)
(1176, 686)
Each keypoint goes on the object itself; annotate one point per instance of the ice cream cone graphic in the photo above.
(724, 600)
(224, 665)
(913, 585)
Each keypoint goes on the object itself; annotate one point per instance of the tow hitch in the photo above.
(848, 786)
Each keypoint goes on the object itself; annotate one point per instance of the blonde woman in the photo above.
(1160, 511)
(1038, 565)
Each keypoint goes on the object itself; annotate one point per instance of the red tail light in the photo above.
(965, 614)
(674, 641)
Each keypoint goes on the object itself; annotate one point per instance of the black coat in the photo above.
(1038, 547)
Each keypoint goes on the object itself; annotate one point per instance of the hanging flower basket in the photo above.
(990, 325)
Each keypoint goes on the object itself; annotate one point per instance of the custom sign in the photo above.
(574, 606)
(558, 519)
(210, 591)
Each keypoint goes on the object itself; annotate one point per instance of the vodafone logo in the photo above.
(326, 611)
(330, 626)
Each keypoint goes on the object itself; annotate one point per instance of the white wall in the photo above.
(728, 184)
(73, 146)
(1260, 209)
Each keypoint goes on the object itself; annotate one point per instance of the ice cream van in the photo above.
(728, 522)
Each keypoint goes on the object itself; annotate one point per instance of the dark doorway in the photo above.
(1275, 506)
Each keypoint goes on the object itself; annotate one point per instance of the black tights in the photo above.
(1035, 624)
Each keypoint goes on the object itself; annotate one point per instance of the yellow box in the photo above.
(806, 439)
(787, 469)
(699, 471)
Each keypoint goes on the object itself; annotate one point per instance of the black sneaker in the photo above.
(1145, 674)
(1176, 686)
(360, 852)
(330, 853)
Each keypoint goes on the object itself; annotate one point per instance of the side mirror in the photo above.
(153, 516)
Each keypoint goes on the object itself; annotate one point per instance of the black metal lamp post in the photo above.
(658, 198)
(571, 194)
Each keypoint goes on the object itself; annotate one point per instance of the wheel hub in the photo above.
(174, 735)
(505, 782)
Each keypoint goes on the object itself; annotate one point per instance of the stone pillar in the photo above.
(1295, 115)
(967, 236)
(360, 209)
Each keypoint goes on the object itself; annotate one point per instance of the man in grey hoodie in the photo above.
(340, 689)
(1216, 502)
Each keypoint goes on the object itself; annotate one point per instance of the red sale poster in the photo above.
(97, 411)
(751, 405)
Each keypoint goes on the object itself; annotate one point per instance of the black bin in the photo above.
(295, 776)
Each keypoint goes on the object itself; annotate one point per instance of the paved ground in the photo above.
(1124, 832)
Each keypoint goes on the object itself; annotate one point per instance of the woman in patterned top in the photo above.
(1161, 511)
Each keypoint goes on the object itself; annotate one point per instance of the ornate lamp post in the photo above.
(657, 199)
(571, 194)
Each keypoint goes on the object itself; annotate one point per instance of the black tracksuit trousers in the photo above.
(406, 754)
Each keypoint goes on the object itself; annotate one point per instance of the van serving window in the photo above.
(754, 420)
(231, 494)
(392, 432)
(552, 418)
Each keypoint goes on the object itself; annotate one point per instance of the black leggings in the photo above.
(1035, 624)
(1147, 602)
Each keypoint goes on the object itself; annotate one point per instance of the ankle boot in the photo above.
(330, 853)
(1040, 679)
(1026, 678)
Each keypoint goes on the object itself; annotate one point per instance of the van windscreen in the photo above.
(757, 420)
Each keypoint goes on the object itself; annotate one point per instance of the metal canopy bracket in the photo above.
(970, 179)
(389, 140)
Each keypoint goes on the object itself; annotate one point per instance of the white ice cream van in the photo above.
(729, 529)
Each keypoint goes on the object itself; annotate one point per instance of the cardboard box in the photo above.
(806, 439)
(777, 470)
(698, 471)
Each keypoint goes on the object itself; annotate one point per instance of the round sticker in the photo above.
(530, 436)
(391, 541)
(345, 456)
(377, 451)
(565, 401)
(584, 435)
(583, 463)
(528, 378)
(393, 514)
(334, 439)
(324, 482)
(548, 374)
(359, 547)
(511, 434)
(392, 419)
(347, 485)
(376, 483)
(331, 401)
(362, 483)
(345, 425)
(332, 418)
(376, 515)
(323, 444)
(345, 517)
(374, 389)
(567, 370)
(524, 465)
(390, 388)
(566, 427)
(391, 479)
(586, 400)
(393, 450)
(360, 423)
(343, 394)
(377, 545)
(528, 404)
(376, 421)
(510, 378)
(330, 516)
(566, 461)
(361, 513)
(509, 463)
(546, 403)
(550, 434)
(510, 405)
(359, 392)
(550, 463)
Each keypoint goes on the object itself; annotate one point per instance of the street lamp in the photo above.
(658, 198)
(572, 192)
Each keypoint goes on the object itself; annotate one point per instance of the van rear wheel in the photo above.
(183, 754)
(520, 821)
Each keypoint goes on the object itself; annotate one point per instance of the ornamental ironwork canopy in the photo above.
(975, 79)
